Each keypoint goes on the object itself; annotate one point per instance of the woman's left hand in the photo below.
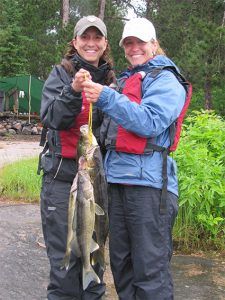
(92, 90)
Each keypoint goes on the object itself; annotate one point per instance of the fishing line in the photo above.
(89, 118)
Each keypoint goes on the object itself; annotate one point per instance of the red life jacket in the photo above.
(129, 142)
(69, 138)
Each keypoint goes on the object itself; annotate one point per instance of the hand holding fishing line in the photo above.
(80, 77)
(92, 90)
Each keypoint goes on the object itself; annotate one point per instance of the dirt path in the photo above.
(13, 150)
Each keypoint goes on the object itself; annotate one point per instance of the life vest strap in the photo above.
(46, 147)
(163, 199)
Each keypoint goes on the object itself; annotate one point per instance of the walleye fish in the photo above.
(83, 224)
(84, 216)
(96, 170)
(71, 237)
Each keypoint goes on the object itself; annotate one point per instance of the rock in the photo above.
(34, 130)
(17, 126)
(20, 127)
(3, 132)
(12, 131)
(26, 130)
(39, 129)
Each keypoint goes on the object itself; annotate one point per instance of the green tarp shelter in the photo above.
(30, 100)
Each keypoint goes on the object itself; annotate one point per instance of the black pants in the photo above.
(64, 284)
(141, 242)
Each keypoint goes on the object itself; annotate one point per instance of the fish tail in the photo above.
(99, 257)
(88, 277)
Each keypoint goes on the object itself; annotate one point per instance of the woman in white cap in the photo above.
(138, 135)
(63, 110)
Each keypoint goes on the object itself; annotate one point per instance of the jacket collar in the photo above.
(98, 73)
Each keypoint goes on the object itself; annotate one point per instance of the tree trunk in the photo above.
(65, 12)
(208, 92)
(223, 21)
(148, 8)
(101, 14)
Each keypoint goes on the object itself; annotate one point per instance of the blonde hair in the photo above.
(159, 50)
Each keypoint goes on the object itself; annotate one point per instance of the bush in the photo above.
(201, 162)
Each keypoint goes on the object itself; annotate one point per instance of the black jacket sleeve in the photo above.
(60, 104)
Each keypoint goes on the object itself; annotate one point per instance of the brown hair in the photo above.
(71, 51)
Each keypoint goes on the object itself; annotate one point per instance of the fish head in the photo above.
(87, 136)
(85, 186)
(84, 131)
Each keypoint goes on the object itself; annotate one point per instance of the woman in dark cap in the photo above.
(63, 110)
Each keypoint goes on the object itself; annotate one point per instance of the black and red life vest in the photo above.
(69, 138)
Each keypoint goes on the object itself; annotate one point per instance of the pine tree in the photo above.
(13, 46)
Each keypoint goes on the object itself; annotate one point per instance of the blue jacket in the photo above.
(162, 101)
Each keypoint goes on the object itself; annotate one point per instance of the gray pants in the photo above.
(141, 242)
(64, 284)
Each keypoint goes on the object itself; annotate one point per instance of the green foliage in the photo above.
(113, 20)
(14, 44)
(33, 40)
(20, 181)
(193, 36)
(81, 8)
(201, 162)
(42, 23)
(197, 101)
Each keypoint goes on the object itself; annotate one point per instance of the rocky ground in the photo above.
(24, 265)
(14, 126)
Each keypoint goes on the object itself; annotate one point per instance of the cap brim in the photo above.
(140, 38)
(88, 26)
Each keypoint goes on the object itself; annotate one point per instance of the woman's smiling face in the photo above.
(91, 45)
(138, 52)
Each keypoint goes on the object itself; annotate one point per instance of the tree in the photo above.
(42, 23)
(65, 12)
(194, 38)
(14, 44)
(101, 13)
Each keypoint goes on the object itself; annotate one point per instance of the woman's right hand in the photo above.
(80, 77)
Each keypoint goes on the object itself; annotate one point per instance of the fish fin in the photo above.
(98, 210)
(94, 246)
(75, 247)
(65, 263)
(74, 185)
(82, 164)
(88, 277)
(99, 257)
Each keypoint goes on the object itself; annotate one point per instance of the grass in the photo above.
(19, 181)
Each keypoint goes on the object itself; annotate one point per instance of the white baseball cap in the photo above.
(140, 28)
